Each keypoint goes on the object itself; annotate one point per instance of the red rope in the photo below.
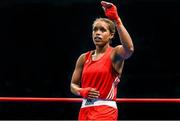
(119, 100)
(39, 99)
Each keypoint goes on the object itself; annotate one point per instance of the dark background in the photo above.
(40, 41)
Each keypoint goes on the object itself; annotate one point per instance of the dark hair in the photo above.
(111, 24)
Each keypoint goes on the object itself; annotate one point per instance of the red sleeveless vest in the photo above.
(99, 74)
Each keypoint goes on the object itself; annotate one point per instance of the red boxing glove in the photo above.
(111, 11)
(84, 92)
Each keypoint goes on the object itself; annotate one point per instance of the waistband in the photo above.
(98, 102)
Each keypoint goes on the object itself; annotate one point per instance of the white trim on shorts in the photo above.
(98, 102)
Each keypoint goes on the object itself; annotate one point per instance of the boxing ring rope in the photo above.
(118, 100)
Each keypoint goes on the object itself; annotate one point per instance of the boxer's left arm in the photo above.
(126, 49)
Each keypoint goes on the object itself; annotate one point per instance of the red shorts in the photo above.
(102, 112)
